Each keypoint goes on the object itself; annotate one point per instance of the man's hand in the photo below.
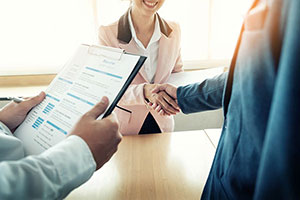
(168, 89)
(102, 136)
(13, 114)
(160, 100)
(171, 90)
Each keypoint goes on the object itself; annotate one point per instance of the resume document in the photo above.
(92, 73)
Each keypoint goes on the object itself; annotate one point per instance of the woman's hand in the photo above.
(160, 100)
(13, 114)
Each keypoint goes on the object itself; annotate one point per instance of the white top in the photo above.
(151, 52)
(50, 175)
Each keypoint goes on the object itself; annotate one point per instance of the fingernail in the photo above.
(104, 100)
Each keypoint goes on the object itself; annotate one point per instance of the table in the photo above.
(213, 135)
(155, 166)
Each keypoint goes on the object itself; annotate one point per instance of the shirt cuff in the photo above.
(4, 129)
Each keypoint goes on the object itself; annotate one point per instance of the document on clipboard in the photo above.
(93, 72)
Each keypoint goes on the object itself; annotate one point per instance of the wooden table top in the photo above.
(155, 166)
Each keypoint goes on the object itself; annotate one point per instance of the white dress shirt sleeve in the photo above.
(50, 175)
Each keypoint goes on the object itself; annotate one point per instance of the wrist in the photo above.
(146, 92)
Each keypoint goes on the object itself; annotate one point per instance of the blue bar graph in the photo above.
(37, 123)
(48, 108)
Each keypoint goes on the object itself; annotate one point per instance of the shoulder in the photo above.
(176, 31)
(107, 34)
(109, 29)
(175, 27)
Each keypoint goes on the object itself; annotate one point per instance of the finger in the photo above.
(158, 108)
(98, 109)
(161, 112)
(151, 106)
(33, 101)
(167, 113)
(154, 105)
(167, 108)
(159, 103)
(170, 101)
(148, 105)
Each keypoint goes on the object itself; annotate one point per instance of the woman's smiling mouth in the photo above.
(150, 4)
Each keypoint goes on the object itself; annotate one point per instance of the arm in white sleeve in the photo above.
(11, 148)
(50, 175)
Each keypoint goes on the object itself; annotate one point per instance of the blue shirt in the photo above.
(258, 156)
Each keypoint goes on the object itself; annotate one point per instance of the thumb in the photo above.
(99, 108)
(171, 90)
(33, 101)
(159, 87)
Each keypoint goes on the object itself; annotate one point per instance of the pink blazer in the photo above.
(118, 35)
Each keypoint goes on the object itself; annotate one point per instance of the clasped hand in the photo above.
(162, 98)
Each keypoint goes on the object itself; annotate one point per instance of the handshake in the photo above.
(162, 98)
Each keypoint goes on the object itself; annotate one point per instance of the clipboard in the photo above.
(117, 55)
(126, 85)
(93, 72)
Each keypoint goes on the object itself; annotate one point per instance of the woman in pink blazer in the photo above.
(142, 31)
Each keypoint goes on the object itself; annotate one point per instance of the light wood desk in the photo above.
(213, 135)
(157, 166)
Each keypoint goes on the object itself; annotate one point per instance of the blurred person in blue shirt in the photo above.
(258, 156)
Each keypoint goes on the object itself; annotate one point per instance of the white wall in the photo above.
(199, 121)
